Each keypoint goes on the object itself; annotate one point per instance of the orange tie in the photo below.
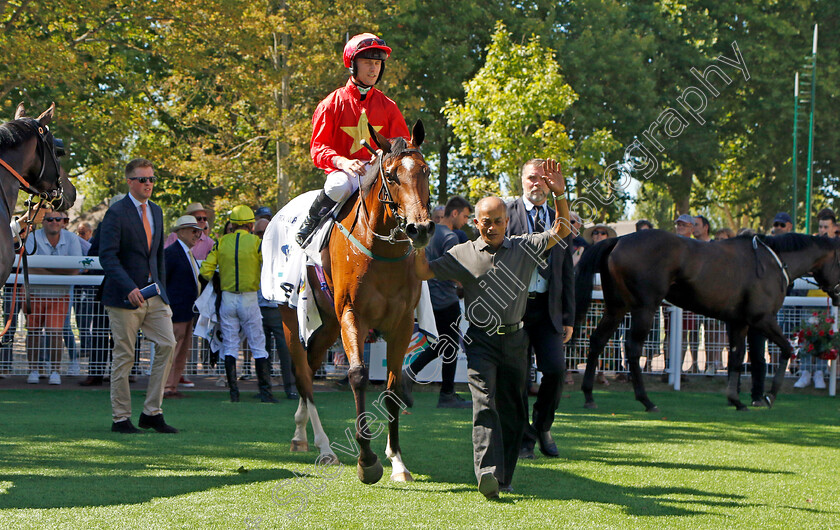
(146, 226)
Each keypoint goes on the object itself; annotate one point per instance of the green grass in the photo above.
(696, 464)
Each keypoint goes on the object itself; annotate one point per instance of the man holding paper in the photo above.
(131, 254)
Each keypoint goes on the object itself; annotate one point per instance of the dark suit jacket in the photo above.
(561, 280)
(124, 256)
(181, 283)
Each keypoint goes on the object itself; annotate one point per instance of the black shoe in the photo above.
(529, 441)
(156, 422)
(759, 403)
(505, 488)
(320, 208)
(124, 427)
(547, 445)
(453, 401)
(291, 394)
(488, 485)
(405, 385)
(263, 369)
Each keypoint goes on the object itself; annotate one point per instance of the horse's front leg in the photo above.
(353, 332)
(597, 342)
(737, 336)
(398, 342)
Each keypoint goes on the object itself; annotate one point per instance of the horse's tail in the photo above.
(591, 261)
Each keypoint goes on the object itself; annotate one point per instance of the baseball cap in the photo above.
(782, 217)
(684, 218)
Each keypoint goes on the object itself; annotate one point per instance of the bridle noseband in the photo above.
(386, 198)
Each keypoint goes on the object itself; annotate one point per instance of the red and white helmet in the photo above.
(365, 45)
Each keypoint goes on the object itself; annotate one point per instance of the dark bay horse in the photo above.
(369, 266)
(741, 281)
(28, 161)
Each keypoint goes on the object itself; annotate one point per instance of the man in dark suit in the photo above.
(131, 254)
(182, 279)
(551, 300)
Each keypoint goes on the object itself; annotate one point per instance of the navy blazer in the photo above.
(181, 282)
(124, 256)
(561, 280)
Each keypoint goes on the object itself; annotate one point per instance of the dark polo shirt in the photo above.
(495, 283)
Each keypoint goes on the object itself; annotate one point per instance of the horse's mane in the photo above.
(397, 147)
(792, 242)
(16, 132)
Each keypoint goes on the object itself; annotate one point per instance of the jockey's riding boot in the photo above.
(317, 211)
(264, 380)
(230, 371)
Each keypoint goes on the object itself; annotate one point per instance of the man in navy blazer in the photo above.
(183, 283)
(131, 254)
(551, 299)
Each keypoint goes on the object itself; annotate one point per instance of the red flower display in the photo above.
(817, 336)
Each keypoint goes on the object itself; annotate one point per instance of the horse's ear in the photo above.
(47, 115)
(380, 141)
(20, 112)
(418, 133)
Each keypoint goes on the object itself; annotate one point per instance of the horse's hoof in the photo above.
(299, 447)
(328, 459)
(769, 399)
(652, 408)
(370, 474)
(403, 476)
(590, 405)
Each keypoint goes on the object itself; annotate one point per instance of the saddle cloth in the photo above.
(283, 275)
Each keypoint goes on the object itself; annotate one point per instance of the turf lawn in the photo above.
(696, 464)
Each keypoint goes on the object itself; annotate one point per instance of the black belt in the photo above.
(534, 294)
(506, 329)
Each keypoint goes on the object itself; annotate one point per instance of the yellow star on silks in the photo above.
(360, 132)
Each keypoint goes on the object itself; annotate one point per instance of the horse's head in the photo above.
(827, 270)
(42, 173)
(406, 180)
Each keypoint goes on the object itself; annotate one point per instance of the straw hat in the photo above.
(587, 234)
(186, 221)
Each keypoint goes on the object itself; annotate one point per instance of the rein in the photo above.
(385, 197)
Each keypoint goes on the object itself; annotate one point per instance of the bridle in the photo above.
(45, 145)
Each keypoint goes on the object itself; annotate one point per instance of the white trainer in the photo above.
(819, 382)
(33, 377)
(55, 379)
(804, 380)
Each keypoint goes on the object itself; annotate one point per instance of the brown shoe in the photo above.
(601, 379)
(92, 380)
(569, 379)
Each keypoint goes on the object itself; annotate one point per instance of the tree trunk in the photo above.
(443, 177)
(682, 192)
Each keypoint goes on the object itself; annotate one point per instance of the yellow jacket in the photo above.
(239, 259)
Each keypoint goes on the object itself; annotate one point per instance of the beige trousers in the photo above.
(155, 319)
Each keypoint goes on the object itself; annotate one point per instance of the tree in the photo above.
(512, 108)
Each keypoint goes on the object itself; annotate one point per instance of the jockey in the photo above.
(340, 123)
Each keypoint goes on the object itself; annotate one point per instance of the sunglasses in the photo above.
(598, 233)
(779, 225)
(370, 42)
(200, 218)
(143, 180)
(55, 219)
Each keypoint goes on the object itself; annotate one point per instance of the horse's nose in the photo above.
(419, 233)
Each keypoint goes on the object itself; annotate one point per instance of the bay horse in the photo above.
(28, 161)
(741, 281)
(369, 268)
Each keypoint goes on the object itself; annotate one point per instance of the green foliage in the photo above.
(509, 112)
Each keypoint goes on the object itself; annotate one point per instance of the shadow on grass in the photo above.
(121, 487)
